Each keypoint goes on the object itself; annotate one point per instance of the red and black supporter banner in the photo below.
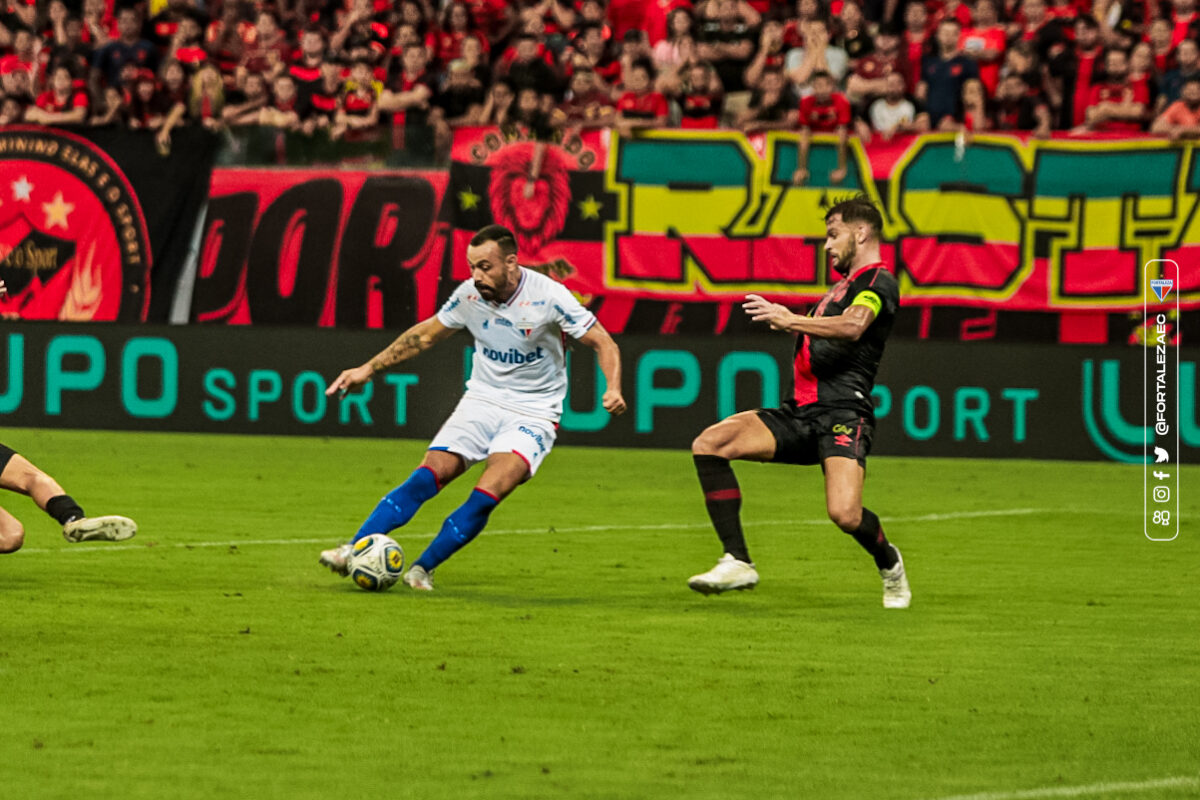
(351, 249)
(95, 223)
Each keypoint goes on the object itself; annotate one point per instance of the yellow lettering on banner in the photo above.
(705, 212)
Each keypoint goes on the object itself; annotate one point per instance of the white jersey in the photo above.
(520, 360)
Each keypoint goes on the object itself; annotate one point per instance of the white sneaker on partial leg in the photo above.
(99, 529)
(419, 579)
(337, 559)
(896, 593)
(729, 573)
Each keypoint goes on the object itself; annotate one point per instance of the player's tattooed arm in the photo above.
(418, 338)
(850, 324)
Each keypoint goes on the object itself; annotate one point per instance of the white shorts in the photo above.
(478, 428)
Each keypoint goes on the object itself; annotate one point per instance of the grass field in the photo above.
(1051, 650)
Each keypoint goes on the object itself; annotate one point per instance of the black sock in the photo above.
(64, 509)
(870, 536)
(723, 499)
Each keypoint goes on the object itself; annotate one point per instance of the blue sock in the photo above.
(459, 528)
(398, 506)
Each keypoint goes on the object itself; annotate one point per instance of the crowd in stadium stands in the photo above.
(409, 70)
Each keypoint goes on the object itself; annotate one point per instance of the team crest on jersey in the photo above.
(73, 241)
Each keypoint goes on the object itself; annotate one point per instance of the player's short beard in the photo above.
(842, 263)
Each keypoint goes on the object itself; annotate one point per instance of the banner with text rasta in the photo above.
(701, 217)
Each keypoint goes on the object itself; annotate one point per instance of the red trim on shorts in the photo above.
(724, 494)
(528, 463)
(489, 494)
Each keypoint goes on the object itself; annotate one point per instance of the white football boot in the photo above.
(896, 593)
(99, 529)
(337, 559)
(419, 579)
(729, 573)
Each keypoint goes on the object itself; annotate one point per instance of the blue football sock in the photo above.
(398, 506)
(459, 528)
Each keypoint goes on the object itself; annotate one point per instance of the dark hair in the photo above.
(820, 74)
(499, 234)
(1088, 22)
(857, 208)
(647, 65)
(1191, 79)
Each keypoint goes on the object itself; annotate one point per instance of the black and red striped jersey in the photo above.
(840, 373)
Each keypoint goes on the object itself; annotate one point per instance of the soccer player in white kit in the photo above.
(508, 416)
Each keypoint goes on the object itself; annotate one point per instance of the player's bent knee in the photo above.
(11, 538)
(848, 518)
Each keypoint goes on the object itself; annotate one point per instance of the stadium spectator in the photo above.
(1035, 25)
(1184, 21)
(495, 19)
(325, 100)
(851, 33)
(498, 107)
(1142, 72)
(128, 48)
(456, 26)
(916, 40)
(1181, 119)
(1160, 44)
(640, 106)
(99, 24)
(306, 69)
(1187, 58)
(253, 97)
(972, 114)
(594, 49)
(187, 43)
(461, 98)
(358, 112)
(474, 57)
(726, 40)
(287, 109)
(20, 68)
(669, 52)
(700, 97)
(360, 34)
(268, 51)
(12, 110)
(146, 107)
(817, 55)
(226, 39)
(773, 105)
(656, 18)
(206, 100)
(1073, 71)
(529, 68)
(984, 42)
(894, 113)
(1017, 109)
(585, 105)
(408, 99)
(64, 103)
(823, 111)
(869, 79)
(943, 75)
(1115, 106)
(770, 54)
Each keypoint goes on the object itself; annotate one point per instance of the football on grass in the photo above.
(376, 562)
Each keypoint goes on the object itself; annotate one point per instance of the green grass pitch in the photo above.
(1049, 645)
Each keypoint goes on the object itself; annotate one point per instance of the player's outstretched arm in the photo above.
(608, 356)
(850, 324)
(420, 337)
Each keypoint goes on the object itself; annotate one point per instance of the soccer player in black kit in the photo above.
(828, 420)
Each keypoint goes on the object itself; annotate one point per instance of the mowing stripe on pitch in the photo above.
(1090, 790)
(667, 526)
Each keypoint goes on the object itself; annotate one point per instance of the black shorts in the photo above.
(809, 435)
(6, 454)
